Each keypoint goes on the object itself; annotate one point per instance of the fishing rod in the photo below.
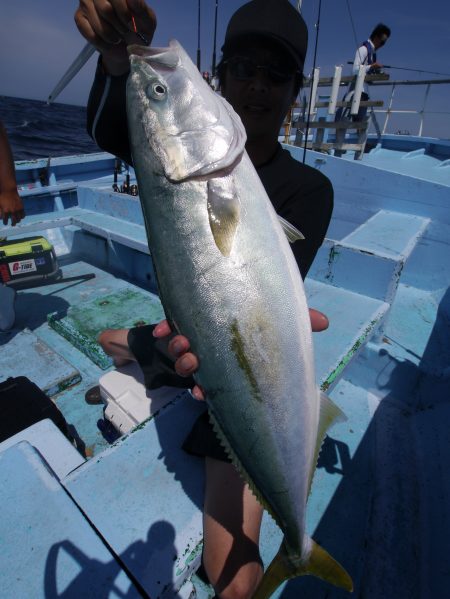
(80, 61)
(213, 69)
(313, 69)
(198, 36)
(77, 64)
(388, 66)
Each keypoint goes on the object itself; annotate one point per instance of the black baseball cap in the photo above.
(275, 19)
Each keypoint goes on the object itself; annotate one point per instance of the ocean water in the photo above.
(37, 130)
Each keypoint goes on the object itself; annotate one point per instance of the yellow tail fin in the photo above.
(320, 564)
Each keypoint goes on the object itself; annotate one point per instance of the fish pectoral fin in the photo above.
(223, 212)
(319, 563)
(291, 232)
(329, 415)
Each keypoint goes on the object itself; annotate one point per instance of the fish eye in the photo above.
(156, 90)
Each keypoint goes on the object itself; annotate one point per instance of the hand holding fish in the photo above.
(187, 363)
(111, 25)
(11, 207)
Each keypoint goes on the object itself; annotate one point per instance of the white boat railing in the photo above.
(422, 112)
(332, 124)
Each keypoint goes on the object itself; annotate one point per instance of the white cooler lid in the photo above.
(128, 402)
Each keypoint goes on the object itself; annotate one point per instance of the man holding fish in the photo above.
(260, 75)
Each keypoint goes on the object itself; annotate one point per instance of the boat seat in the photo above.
(370, 259)
(112, 228)
(44, 366)
(41, 222)
(53, 446)
(48, 546)
(353, 317)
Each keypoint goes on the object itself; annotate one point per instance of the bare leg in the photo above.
(231, 526)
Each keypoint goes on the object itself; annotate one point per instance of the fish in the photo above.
(228, 281)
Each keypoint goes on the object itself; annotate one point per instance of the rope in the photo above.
(353, 26)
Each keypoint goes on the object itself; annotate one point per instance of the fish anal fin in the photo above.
(330, 413)
(319, 563)
(223, 212)
(239, 467)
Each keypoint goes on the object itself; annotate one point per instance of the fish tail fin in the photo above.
(319, 563)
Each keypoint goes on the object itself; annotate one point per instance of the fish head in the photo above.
(192, 131)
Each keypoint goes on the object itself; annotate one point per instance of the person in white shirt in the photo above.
(366, 53)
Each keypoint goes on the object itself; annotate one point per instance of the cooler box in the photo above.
(127, 401)
(27, 260)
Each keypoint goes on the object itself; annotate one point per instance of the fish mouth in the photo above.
(144, 51)
(166, 57)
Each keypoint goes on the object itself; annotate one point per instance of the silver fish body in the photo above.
(228, 281)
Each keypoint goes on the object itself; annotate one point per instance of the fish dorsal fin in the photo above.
(223, 212)
(291, 232)
(329, 415)
(200, 152)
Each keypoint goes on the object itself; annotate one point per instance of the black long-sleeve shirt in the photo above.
(299, 193)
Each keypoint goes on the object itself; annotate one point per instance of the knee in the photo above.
(243, 585)
(237, 590)
(104, 339)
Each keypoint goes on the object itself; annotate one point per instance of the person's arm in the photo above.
(360, 59)
(114, 343)
(11, 206)
(106, 114)
(108, 26)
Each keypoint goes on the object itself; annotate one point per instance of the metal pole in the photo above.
(213, 69)
(299, 5)
(422, 112)
(198, 37)
(388, 111)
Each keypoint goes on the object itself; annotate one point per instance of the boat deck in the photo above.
(122, 516)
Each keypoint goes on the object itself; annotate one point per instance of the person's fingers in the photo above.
(89, 32)
(319, 322)
(120, 12)
(162, 329)
(106, 27)
(95, 27)
(144, 16)
(198, 393)
(178, 346)
(186, 365)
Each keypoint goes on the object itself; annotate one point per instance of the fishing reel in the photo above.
(126, 187)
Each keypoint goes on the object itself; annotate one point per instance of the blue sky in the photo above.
(39, 40)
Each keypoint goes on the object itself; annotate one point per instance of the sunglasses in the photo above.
(243, 69)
